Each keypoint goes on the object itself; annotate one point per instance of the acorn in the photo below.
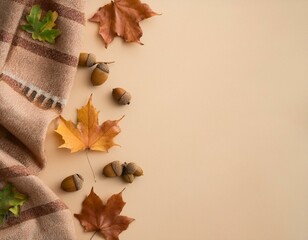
(128, 177)
(87, 59)
(72, 183)
(113, 169)
(121, 96)
(100, 74)
(133, 168)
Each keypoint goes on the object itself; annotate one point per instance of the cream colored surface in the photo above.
(218, 121)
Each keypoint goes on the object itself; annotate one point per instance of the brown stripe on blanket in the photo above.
(45, 52)
(63, 42)
(10, 81)
(46, 75)
(5, 47)
(63, 11)
(12, 172)
(41, 101)
(20, 1)
(14, 152)
(38, 49)
(3, 132)
(36, 212)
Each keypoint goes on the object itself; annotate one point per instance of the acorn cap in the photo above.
(91, 60)
(128, 177)
(121, 96)
(133, 168)
(103, 66)
(72, 183)
(87, 59)
(138, 172)
(113, 169)
(100, 74)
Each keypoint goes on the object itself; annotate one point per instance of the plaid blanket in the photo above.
(35, 81)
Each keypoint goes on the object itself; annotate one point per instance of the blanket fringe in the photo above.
(33, 93)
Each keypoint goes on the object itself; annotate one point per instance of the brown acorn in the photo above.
(121, 96)
(133, 168)
(87, 59)
(113, 169)
(100, 74)
(128, 177)
(72, 183)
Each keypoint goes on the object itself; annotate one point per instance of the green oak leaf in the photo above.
(10, 202)
(42, 29)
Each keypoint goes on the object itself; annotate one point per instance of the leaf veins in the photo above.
(41, 30)
(87, 133)
(121, 18)
(104, 218)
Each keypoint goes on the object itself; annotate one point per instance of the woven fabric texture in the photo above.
(35, 82)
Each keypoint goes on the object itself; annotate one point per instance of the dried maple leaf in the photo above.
(10, 202)
(87, 133)
(121, 18)
(105, 219)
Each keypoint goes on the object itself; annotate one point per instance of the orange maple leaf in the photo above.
(87, 133)
(104, 218)
(121, 18)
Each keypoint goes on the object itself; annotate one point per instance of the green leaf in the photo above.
(42, 30)
(27, 28)
(49, 35)
(10, 202)
(35, 15)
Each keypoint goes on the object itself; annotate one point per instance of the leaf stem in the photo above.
(91, 168)
(93, 235)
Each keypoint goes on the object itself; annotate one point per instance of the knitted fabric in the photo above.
(35, 81)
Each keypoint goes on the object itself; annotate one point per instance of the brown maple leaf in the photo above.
(87, 133)
(104, 218)
(121, 18)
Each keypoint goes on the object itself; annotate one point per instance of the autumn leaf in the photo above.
(121, 18)
(41, 30)
(10, 202)
(87, 134)
(104, 218)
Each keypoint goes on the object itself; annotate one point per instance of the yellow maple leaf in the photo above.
(87, 134)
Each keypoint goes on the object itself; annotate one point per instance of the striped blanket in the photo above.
(35, 80)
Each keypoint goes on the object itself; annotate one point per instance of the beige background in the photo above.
(218, 121)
